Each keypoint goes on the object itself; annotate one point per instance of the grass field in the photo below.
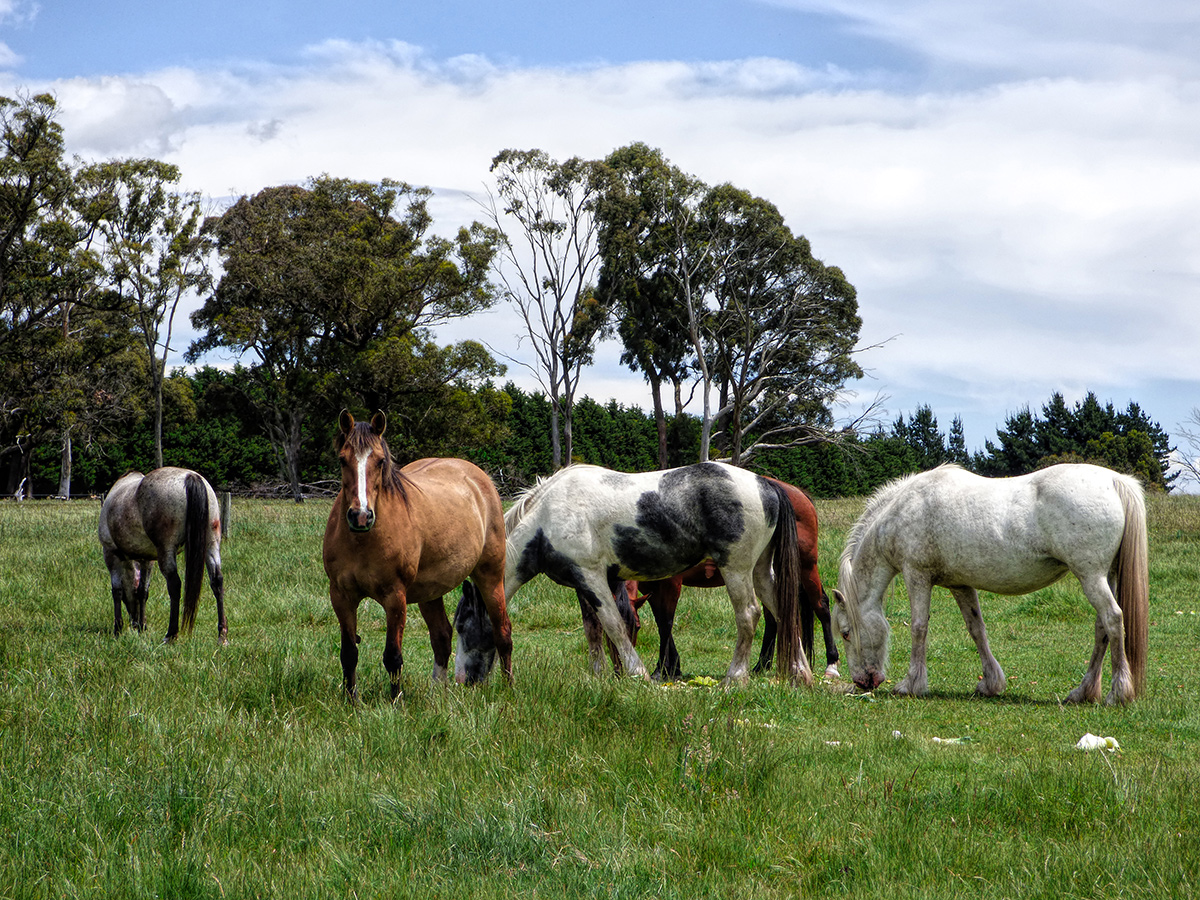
(133, 769)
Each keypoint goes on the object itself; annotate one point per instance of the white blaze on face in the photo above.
(360, 465)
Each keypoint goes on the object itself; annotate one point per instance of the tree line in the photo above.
(328, 293)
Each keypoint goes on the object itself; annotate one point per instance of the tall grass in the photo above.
(133, 769)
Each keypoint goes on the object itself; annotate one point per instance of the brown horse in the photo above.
(409, 535)
(145, 518)
(663, 597)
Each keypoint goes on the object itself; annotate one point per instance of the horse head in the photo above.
(366, 462)
(864, 632)
(475, 649)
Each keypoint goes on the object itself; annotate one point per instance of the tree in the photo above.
(547, 265)
(922, 435)
(782, 330)
(35, 185)
(1089, 431)
(152, 253)
(1189, 460)
(651, 320)
(316, 276)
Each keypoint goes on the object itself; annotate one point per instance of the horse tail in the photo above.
(195, 537)
(786, 561)
(1133, 580)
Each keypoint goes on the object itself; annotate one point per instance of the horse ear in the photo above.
(838, 596)
(345, 421)
(379, 423)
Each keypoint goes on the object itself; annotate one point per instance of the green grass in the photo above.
(133, 769)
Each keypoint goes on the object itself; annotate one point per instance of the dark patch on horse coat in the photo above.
(540, 557)
(694, 514)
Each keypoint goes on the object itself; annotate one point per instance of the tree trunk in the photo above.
(660, 419)
(555, 443)
(64, 472)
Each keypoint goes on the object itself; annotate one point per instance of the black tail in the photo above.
(787, 589)
(195, 538)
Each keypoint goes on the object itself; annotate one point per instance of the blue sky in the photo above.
(1012, 187)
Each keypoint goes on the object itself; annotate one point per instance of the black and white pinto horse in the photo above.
(145, 518)
(1010, 536)
(592, 529)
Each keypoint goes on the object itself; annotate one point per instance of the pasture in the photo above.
(133, 769)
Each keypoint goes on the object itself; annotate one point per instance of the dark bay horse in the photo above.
(663, 597)
(592, 529)
(147, 518)
(409, 535)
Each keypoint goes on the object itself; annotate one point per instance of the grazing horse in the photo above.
(663, 597)
(592, 529)
(145, 518)
(409, 535)
(951, 528)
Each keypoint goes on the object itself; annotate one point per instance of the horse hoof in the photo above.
(831, 671)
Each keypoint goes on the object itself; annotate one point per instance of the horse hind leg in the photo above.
(745, 616)
(434, 614)
(216, 581)
(168, 563)
(1110, 632)
(993, 681)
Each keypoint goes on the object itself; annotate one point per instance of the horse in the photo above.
(147, 518)
(409, 535)
(663, 597)
(592, 529)
(1009, 536)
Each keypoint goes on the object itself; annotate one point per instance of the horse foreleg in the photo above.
(993, 681)
(346, 610)
(664, 601)
(396, 614)
(141, 590)
(434, 614)
(920, 587)
(1110, 633)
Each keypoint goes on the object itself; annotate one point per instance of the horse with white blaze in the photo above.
(1011, 536)
(591, 529)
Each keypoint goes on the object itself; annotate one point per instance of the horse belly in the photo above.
(1010, 578)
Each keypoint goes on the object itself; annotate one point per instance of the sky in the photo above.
(1012, 187)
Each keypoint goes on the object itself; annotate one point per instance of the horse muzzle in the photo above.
(868, 680)
(360, 520)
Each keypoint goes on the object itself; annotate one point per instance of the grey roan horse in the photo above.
(1005, 535)
(149, 517)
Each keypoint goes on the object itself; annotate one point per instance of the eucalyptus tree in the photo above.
(151, 251)
(315, 277)
(545, 213)
(783, 329)
(650, 319)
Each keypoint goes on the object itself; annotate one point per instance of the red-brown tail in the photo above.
(195, 539)
(787, 590)
(1133, 580)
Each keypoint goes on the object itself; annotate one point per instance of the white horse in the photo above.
(592, 529)
(967, 533)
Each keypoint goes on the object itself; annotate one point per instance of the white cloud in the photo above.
(1034, 236)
